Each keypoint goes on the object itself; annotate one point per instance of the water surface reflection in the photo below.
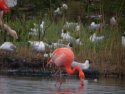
(31, 85)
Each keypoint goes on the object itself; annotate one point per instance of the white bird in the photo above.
(94, 26)
(60, 45)
(35, 30)
(64, 6)
(78, 41)
(94, 16)
(84, 65)
(113, 21)
(8, 46)
(37, 46)
(58, 11)
(94, 38)
(123, 40)
(42, 26)
(72, 26)
(47, 55)
(11, 3)
(78, 27)
(66, 36)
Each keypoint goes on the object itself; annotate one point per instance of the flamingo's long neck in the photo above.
(76, 68)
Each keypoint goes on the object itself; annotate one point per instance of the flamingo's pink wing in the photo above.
(59, 59)
(63, 57)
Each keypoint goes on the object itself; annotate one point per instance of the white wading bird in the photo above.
(72, 26)
(113, 21)
(94, 26)
(94, 38)
(42, 26)
(37, 28)
(66, 36)
(11, 3)
(123, 40)
(78, 41)
(60, 45)
(95, 16)
(8, 46)
(64, 6)
(84, 65)
(38, 46)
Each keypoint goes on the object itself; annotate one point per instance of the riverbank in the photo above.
(34, 64)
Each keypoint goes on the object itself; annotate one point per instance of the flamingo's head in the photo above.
(82, 77)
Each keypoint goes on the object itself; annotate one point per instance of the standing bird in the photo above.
(8, 46)
(63, 57)
(37, 46)
(123, 40)
(95, 39)
(113, 21)
(78, 41)
(5, 7)
(66, 36)
(11, 3)
(42, 26)
(94, 26)
(84, 65)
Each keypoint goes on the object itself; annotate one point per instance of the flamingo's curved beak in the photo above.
(82, 77)
(82, 82)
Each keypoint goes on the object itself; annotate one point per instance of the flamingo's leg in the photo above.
(60, 81)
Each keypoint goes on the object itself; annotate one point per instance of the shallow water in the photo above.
(33, 85)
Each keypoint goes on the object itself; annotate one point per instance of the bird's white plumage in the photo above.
(94, 26)
(64, 6)
(123, 41)
(8, 46)
(11, 3)
(78, 41)
(66, 36)
(72, 26)
(94, 38)
(37, 46)
(84, 65)
(113, 21)
(42, 26)
(37, 29)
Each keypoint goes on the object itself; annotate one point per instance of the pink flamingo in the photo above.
(4, 6)
(63, 57)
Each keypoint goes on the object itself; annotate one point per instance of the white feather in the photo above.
(11, 3)
(8, 46)
(37, 46)
(84, 65)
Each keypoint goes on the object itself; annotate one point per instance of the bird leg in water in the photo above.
(60, 81)
(50, 62)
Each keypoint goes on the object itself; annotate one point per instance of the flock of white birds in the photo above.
(40, 46)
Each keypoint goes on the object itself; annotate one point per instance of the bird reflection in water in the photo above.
(79, 90)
